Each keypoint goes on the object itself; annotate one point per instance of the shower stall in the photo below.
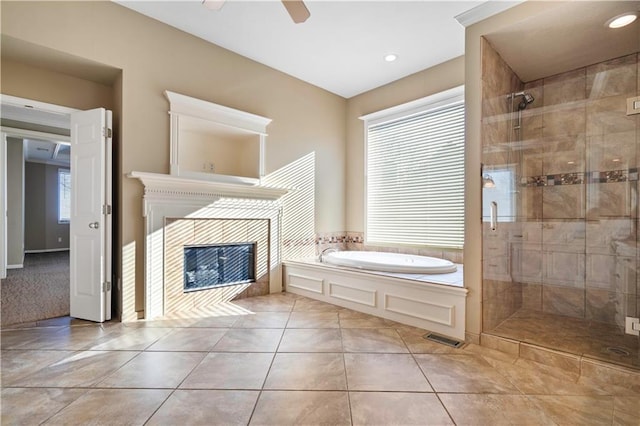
(560, 207)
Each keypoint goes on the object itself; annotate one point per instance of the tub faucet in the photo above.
(327, 250)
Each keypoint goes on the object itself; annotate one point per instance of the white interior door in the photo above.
(90, 224)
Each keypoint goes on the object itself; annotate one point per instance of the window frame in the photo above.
(406, 110)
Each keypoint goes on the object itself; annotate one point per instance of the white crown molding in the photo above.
(192, 107)
(484, 11)
(170, 186)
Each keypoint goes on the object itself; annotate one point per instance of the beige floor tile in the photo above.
(230, 371)
(579, 410)
(130, 339)
(189, 339)
(313, 320)
(284, 408)
(222, 321)
(81, 369)
(274, 303)
(263, 320)
(626, 410)
(249, 340)
(153, 370)
(372, 340)
(163, 323)
(317, 371)
(384, 372)
(17, 363)
(463, 373)
(206, 407)
(397, 408)
(494, 410)
(13, 338)
(69, 338)
(310, 305)
(32, 406)
(368, 322)
(111, 406)
(532, 378)
(311, 340)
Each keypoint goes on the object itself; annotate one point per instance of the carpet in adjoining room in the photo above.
(38, 291)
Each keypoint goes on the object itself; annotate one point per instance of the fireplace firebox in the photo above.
(217, 265)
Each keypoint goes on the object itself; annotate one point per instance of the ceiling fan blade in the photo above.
(213, 4)
(297, 10)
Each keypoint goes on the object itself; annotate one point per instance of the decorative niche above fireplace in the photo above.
(215, 143)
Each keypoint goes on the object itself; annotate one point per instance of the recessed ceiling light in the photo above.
(390, 57)
(622, 20)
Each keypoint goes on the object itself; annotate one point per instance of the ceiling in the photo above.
(340, 48)
(569, 36)
(49, 152)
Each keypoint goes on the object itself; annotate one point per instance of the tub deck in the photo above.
(435, 302)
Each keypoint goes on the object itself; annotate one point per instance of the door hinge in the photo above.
(106, 209)
(106, 286)
(107, 132)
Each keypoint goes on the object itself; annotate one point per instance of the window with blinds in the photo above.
(415, 173)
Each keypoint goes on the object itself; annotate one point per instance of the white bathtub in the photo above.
(389, 262)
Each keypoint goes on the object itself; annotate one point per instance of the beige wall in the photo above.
(154, 57)
(42, 229)
(419, 85)
(30, 82)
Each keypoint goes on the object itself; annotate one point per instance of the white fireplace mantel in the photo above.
(170, 186)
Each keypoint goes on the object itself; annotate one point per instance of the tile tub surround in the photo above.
(355, 241)
(411, 382)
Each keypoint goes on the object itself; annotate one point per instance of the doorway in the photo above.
(51, 269)
(37, 238)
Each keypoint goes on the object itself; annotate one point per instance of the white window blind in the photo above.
(415, 176)
(64, 196)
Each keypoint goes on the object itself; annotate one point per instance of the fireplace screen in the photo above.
(207, 266)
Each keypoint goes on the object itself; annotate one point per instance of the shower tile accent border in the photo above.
(608, 176)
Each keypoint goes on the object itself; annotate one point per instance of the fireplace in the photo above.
(216, 265)
(183, 212)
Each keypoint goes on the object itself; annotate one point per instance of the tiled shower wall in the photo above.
(570, 246)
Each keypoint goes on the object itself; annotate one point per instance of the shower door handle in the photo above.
(494, 215)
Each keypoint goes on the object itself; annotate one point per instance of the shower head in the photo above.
(527, 98)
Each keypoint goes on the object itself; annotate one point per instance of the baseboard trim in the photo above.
(46, 250)
(20, 266)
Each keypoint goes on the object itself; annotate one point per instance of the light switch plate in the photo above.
(633, 105)
(632, 326)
